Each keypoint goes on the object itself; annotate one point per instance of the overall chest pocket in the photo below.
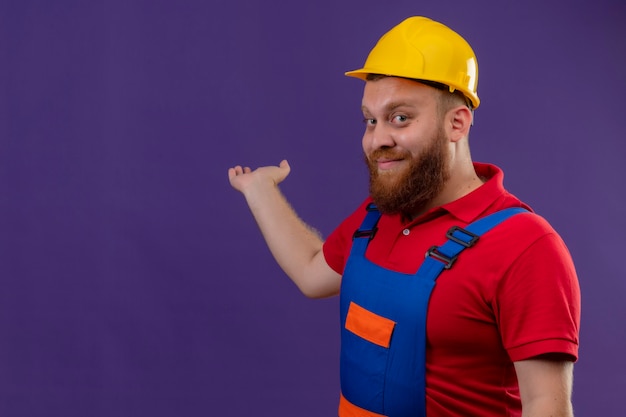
(364, 356)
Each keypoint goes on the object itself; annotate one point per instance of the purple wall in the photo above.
(134, 281)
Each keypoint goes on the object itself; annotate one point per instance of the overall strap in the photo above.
(443, 257)
(367, 230)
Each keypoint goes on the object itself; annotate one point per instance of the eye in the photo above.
(400, 118)
(369, 122)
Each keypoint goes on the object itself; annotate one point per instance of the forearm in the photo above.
(296, 247)
(290, 240)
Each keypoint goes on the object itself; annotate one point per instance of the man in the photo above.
(441, 315)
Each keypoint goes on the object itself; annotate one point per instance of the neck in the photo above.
(461, 182)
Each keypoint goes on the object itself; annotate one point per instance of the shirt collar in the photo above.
(471, 206)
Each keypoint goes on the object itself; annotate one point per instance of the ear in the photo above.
(459, 120)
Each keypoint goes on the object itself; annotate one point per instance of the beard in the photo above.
(409, 190)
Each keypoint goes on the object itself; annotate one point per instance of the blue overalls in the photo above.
(383, 322)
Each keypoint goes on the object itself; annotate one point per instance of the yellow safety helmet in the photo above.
(422, 49)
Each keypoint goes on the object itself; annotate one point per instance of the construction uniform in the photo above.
(406, 351)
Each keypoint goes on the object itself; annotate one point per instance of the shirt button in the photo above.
(406, 232)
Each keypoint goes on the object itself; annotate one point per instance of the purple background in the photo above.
(133, 279)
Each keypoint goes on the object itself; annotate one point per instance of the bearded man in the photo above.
(455, 298)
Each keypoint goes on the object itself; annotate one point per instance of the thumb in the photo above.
(284, 164)
(283, 171)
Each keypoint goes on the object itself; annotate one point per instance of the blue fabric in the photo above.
(391, 381)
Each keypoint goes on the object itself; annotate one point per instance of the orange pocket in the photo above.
(347, 409)
(369, 326)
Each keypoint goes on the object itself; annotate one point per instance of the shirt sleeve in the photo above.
(538, 302)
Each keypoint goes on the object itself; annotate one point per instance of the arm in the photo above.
(296, 247)
(545, 387)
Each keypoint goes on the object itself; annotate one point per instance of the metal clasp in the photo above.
(433, 252)
(467, 243)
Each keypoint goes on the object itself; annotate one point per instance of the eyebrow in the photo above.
(395, 104)
(392, 106)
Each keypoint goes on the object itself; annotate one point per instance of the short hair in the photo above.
(447, 99)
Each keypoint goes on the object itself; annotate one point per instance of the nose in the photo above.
(377, 137)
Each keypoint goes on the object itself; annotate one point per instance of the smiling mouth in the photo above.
(388, 164)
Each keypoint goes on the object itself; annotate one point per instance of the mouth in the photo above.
(387, 164)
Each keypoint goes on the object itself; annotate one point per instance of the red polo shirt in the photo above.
(512, 296)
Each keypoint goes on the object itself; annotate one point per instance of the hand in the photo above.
(243, 178)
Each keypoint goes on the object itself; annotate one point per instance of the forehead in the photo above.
(391, 92)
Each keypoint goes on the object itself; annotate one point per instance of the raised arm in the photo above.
(296, 247)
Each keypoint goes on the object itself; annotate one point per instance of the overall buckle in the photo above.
(365, 233)
(473, 238)
(433, 252)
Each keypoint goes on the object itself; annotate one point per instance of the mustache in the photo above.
(383, 153)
